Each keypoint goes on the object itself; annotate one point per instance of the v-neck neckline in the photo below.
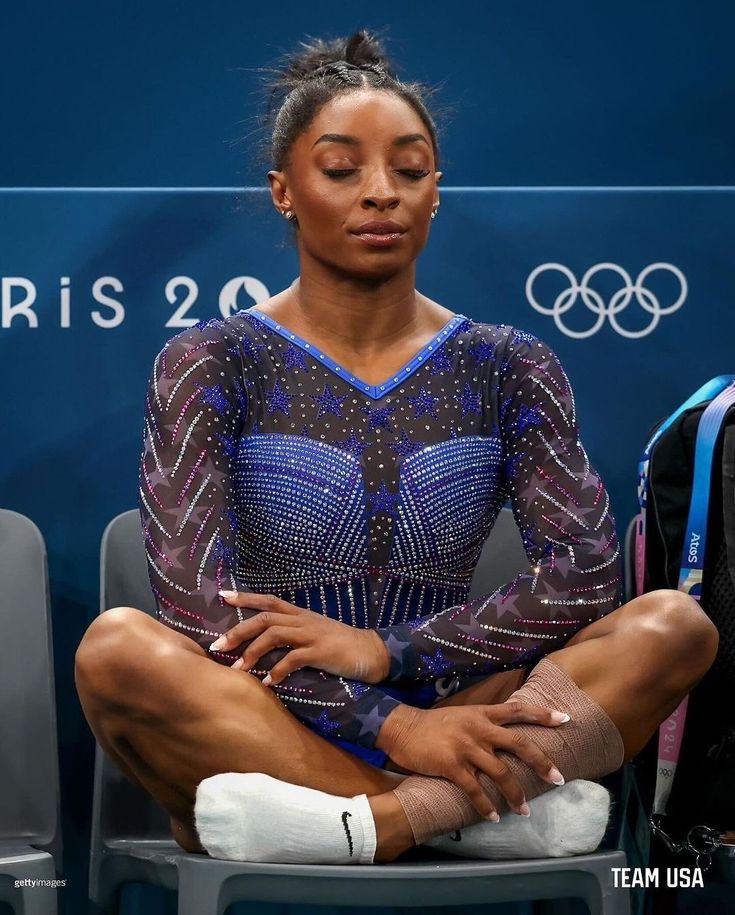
(376, 391)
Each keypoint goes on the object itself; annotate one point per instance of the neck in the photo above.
(360, 316)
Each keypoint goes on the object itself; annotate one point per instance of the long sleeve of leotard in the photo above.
(563, 512)
(196, 409)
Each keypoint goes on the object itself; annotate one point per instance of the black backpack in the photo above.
(703, 790)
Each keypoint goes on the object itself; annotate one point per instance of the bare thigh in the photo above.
(170, 716)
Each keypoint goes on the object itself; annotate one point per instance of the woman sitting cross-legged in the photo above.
(319, 475)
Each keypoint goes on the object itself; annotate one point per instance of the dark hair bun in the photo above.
(363, 50)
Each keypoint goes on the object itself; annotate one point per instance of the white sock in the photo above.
(250, 816)
(568, 820)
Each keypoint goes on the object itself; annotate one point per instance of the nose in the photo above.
(380, 191)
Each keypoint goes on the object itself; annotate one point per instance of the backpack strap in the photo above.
(728, 497)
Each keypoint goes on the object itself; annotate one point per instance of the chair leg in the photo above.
(604, 899)
(104, 899)
(199, 891)
(38, 900)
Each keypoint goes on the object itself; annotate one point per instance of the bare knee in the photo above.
(117, 645)
(672, 628)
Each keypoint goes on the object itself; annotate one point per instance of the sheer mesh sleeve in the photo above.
(196, 409)
(563, 512)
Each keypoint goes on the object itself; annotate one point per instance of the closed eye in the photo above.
(414, 173)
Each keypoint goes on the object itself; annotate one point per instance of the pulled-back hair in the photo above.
(304, 81)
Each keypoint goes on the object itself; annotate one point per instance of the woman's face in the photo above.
(380, 167)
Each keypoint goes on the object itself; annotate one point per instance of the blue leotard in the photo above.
(268, 467)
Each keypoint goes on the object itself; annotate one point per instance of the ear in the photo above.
(279, 193)
(439, 176)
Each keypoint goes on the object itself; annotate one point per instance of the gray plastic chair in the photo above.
(30, 840)
(131, 840)
(629, 563)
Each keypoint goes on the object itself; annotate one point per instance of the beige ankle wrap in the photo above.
(589, 746)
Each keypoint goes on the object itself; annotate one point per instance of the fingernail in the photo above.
(227, 593)
(493, 817)
(560, 717)
(524, 810)
(239, 663)
(219, 644)
(266, 681)
(556, 776)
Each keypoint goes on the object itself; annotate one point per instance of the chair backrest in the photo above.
(502, 557)
(121, 809)
(629, 560)
(29, 760)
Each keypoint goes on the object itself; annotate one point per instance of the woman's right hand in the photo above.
(457, 742)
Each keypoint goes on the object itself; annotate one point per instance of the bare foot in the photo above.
(186, 837)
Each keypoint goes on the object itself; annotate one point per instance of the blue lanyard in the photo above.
(695, 539)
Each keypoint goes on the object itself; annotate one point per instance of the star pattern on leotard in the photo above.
(233, 519)
(182, 514)
(371, 723)
(229, 445)
(473, 630)
(210, 322)
(406, 445)
(158, 477)
(294, 358)
(482, 350)
(527, 416)
(329, 402)
(241, 394)
(353, 444)
(378, 417)
(440, 362)
(223, 552)
(383, 500)
(520, 336)
(513, 465)
(170, 557)
(471, 402)
(568, 602)
(324, 724)
(214, 397)
(278, 399)
(436, 664)
(423, 403)
(251, 348)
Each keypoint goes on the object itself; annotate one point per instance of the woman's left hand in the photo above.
(314, 640)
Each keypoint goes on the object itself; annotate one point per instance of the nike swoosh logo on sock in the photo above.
(457, 837)
(346, 814)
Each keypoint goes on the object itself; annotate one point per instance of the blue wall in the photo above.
(569, 93)
(150, 95)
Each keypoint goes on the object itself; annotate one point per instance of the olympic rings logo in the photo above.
(595, 303)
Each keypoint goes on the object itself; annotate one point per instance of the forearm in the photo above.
(503, 631)
(335, 706)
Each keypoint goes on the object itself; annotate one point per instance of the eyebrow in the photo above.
(356, 141)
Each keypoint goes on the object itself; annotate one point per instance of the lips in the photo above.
(380, 227)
